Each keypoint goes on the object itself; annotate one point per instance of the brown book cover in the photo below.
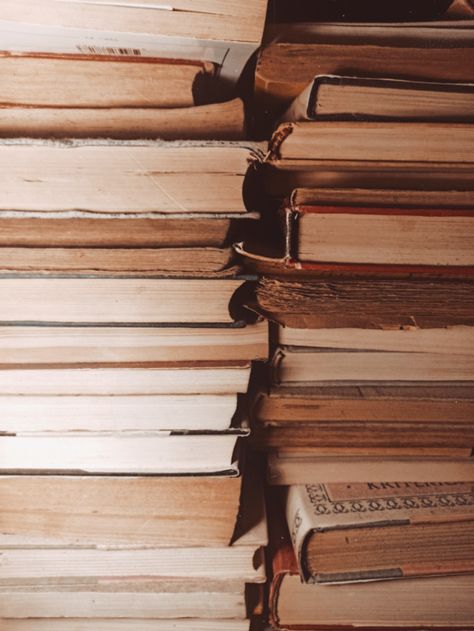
(380, 236)
(443, 602)
(295, 53)
(364, 416)
(356, 532)
(82, 229)
(218, 121)
(339, 97)
(100, 81)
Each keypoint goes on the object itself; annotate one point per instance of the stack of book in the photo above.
(296, 51)
(125, 69)
(372, 556)
(125, 351)
(127, 500)
(368, 282)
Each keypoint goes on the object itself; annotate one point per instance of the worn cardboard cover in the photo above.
(304, 107)
(320, 507)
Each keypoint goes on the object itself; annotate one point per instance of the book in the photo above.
(455, 339)
(356, 532)
(40, 564)
(415, 603)
(196, 19)
(124, 176)
(302, 145)
(300, 468)
(121, 344)
(119, 510)
(170, 581)
(116, 413)
(410, 415)
(119, 300)
(332, 301)
(116, 261)
(210, 30)
(217, 121)
(410, 403)
(122, 624)
(421, 51)
(385, 236)
(363, 98)
(60, 229)
(135, 511)
(408, 155)
(373, 197)
(211, 377)
(71, 81)
(144, 453)
(281, 177)
(313, 366)
(146, 600)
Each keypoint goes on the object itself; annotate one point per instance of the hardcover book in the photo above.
(356, 532)
(414, 604)
(421, 51)
(341, 97)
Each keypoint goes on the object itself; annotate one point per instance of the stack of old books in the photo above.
(122, 69)
(126, 497)
(369, 283)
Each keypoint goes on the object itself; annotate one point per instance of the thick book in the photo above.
(384, 236)
(281, 177)
(71, 344)
(115, 261)
(301, 468)
(117, 413)
(210, 30)
(218, 121)
(118, 300)
(143, 378)
(140, 176)
(421, 51)
(364, 154)
(301, 145)
(331, 301)
(156, 511)
(132, 551)
(146, 600)
(134, 453)
(358, 532)
(364, 417)
(89, 229)
(75, 81)
(113, 510)
(196, 19)
(342, 97)
(243, 563)
(456, 339)
(300, 365)
(414, 604)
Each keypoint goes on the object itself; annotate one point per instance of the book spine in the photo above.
(300, 524)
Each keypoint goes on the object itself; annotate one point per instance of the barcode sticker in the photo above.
(109, 50)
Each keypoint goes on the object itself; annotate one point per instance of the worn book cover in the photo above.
(381, 530)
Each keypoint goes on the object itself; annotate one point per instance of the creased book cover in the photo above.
(319, 508)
